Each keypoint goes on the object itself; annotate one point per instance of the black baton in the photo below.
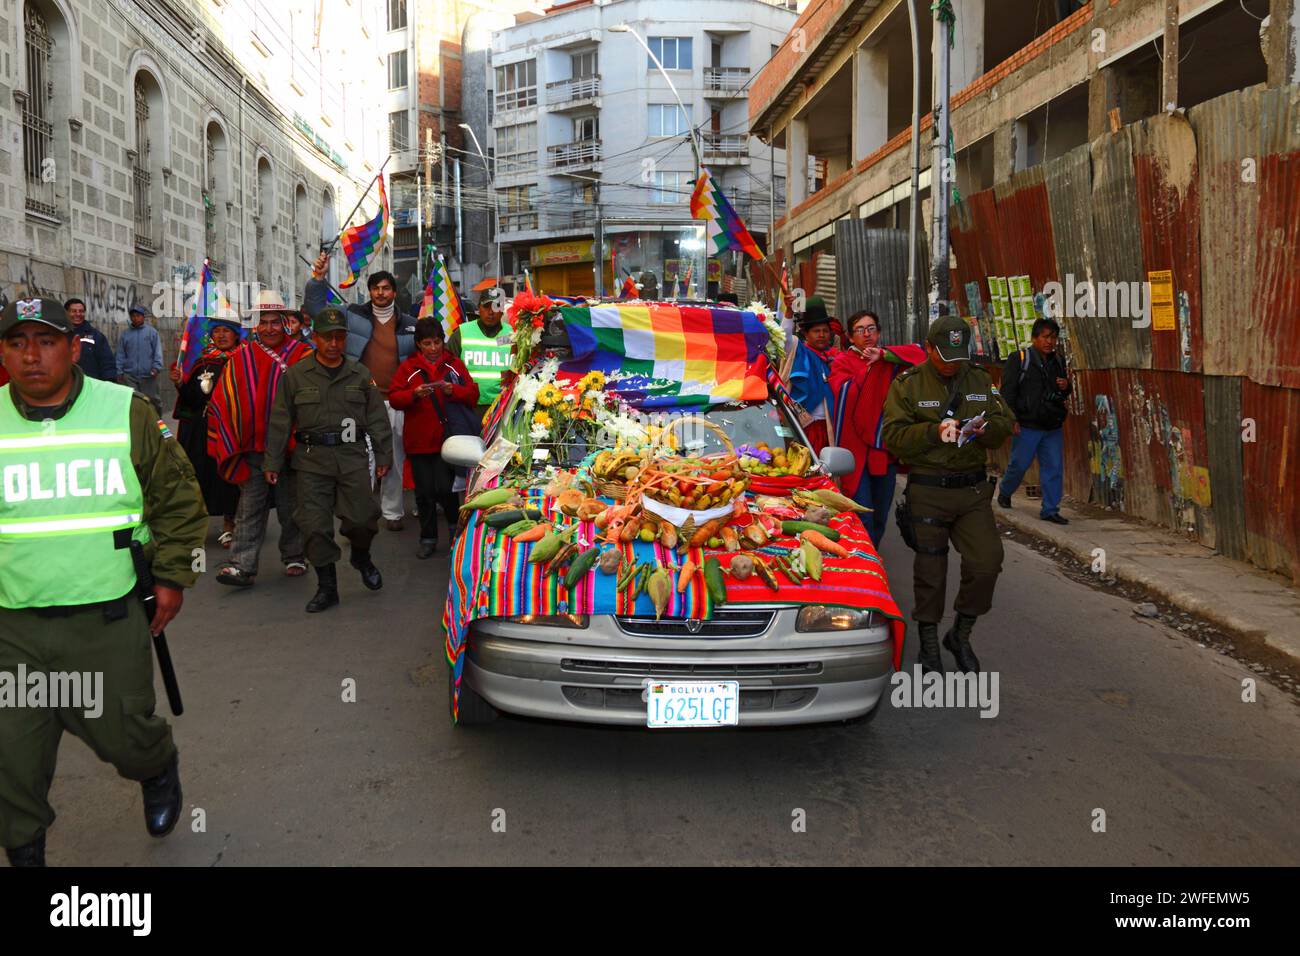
(144, 585)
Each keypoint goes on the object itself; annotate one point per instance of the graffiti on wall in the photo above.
(1104, 460)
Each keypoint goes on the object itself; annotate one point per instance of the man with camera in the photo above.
(1035, 386)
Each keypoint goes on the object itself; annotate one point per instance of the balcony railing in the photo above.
(516, 99)
(585, 152)
(725, 79)
(726, 145)
(519, 221)
(572, 90)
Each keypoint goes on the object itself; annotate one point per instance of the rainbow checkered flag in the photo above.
(725, 229)
(362, 243)
(440, 299)
(207, 304)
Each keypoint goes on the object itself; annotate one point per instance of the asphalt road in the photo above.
(1099, 709)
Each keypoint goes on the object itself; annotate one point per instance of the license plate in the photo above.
(693, 703)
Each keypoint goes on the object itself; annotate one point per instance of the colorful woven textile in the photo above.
(725, 229)
(361, 243)
(670, 355)
(441, 301)
(240, 408)
(491, 577)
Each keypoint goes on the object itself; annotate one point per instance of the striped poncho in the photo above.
(240, 408)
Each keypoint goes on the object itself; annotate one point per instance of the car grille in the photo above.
(703, 670)
(630, 699)
(725, 624)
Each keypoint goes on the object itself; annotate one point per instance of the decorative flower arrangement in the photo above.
(775, 333)
(527, 317)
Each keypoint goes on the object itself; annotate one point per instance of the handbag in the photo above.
(457, 418)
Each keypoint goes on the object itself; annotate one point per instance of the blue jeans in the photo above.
(876, 492)
(1047, 445)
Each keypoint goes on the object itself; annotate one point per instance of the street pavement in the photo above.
(1099, 709)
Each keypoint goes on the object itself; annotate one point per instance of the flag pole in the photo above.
(336, 292)
(357, 206)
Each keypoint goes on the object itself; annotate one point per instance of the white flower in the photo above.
(538, 432)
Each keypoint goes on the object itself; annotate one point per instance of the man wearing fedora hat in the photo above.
(810, 371)
(239, 414)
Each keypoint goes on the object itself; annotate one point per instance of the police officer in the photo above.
(329, 404)
(89, 468)
(948, 493)
(483, 348)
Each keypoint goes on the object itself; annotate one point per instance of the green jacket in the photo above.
(173, 503)
(915, 405)
(310, 399)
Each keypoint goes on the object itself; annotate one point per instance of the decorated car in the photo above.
(647, 538)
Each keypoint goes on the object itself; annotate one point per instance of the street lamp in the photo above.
(496, 208)
(692, 132)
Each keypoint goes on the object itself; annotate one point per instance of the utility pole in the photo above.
(1169, 67)
(598, 247)
(442, 159)
(914, 204)
(940, 167)
(460, 247)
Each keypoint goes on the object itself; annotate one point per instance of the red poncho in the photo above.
(240, 408)
(860, 388)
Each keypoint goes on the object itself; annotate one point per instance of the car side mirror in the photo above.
(837, 461)
(463, 451)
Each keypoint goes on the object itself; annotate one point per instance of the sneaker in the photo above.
(1055, 519)
(426, 549)
(1004, 500)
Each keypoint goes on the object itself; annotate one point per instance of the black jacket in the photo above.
(97, 359)
(1031, 390)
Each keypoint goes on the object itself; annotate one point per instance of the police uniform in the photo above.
(81, 481)
(330, 412)
(948, 493)
(485, 356)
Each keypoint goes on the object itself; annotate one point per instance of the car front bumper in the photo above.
(597, 674)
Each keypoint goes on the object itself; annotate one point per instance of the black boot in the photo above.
(370, 575)
(929, 657)
(29, 854)
(162, 800)
(957, 640)
(327, 589)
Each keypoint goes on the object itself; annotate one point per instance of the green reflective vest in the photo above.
(486, 359)
(65, 486)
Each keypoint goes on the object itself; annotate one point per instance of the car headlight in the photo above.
(550, 620)
(817, 617)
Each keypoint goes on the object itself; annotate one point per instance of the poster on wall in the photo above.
(1161, 283)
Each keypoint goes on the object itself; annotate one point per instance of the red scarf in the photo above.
(860, 389)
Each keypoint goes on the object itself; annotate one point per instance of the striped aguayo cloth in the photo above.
(491, 577)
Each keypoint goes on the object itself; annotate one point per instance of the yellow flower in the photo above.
(541, 418)
(548, 395)
(592, 381)
(589, 402)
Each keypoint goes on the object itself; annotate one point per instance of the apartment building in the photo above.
(588, 137)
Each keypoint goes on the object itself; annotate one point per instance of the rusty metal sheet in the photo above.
(1168, 213)
(963, 234)
(1025, 227)
(871, 273)
(1227, 147)
(1085, 342)
(1118, 247)
(1223, 439)
(1271, 472)
(1274, 358)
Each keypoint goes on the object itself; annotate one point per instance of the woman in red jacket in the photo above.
(422, 387)
(860, 378)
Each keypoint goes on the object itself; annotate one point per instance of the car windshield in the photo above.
(746, 424)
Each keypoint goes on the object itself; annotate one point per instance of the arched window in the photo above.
(216, 194)
(265, 218)
(45, 93)
(329, 229)
(147, 159)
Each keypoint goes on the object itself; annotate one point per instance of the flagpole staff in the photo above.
(336, 292)
(330, 250)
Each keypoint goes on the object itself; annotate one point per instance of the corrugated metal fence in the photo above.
(1188, 416)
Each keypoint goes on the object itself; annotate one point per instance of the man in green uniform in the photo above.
(329, 404)
(483, 348)
(88, 468)
(948, 493)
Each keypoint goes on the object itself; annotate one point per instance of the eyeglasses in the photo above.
(864, 329)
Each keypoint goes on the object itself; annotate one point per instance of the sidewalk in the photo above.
(1230, 594)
